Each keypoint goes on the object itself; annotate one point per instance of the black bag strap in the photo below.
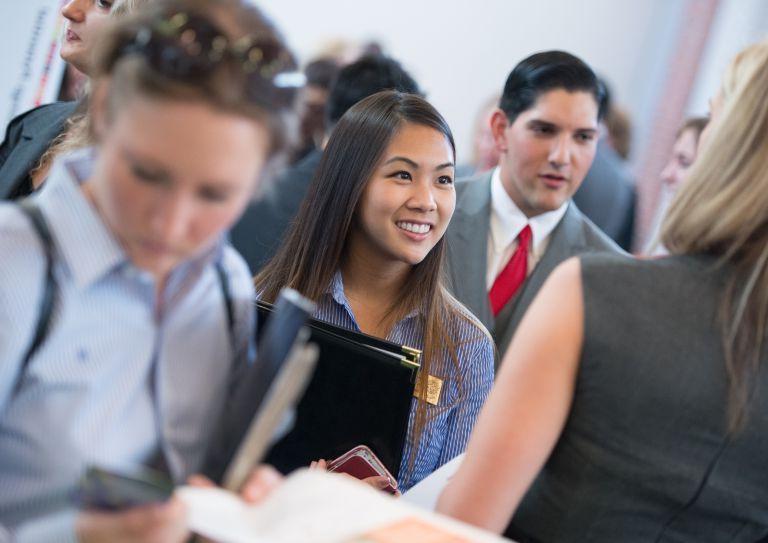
(50, 287)
(227, 293)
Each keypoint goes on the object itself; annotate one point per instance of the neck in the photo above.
(373, 280)
(509, 187)
(372, 283)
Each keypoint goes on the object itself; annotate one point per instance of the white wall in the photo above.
(461, 51)
(29, 63)
(737, 24)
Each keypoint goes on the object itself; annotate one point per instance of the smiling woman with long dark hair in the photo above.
(368, 246)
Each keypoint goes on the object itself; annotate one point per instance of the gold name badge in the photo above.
(434, 388)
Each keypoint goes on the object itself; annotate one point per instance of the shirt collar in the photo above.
(508, 220)
(87, 246)
(336, 291)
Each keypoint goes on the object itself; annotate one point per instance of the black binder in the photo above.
(360, 394)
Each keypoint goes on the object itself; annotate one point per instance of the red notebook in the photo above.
(361, 463)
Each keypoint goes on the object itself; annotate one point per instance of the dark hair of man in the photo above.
(543, 72)
(366, 76)
(321, 72)
(315, 245)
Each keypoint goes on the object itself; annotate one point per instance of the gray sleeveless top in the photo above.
(644, 455)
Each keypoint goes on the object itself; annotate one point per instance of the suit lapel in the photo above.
(34, 141)
(468, 246)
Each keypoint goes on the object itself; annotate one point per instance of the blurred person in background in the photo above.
(607, 196)
(672, 176)
(34, 138)
(320, 74)
(485, 155)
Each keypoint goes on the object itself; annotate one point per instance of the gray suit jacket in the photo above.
(27, 137)
(467, 252)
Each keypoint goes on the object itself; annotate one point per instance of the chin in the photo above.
(413, 259)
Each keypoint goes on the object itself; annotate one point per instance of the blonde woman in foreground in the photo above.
(632, 403)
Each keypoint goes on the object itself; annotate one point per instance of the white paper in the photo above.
(309, 506)
(425, 493)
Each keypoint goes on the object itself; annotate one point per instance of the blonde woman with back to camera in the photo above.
(631, 405)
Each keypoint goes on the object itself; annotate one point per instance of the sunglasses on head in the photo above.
(187, 46)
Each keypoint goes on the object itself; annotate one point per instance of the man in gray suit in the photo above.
(515, 224)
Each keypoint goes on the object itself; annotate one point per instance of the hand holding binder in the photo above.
(360, 394)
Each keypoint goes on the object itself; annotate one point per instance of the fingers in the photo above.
(157, 522)
(164, 522)
(377, 482)
(319, 464)
(261, 483)
(200, 481)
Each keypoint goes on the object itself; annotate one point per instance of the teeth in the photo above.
(413, 227)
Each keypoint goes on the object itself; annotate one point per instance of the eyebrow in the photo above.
(158, 169)
(402, 159)
(415, 165)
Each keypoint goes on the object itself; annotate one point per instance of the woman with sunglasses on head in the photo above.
(36, 137)
(613, 420)
(189, 104)
(368, 246)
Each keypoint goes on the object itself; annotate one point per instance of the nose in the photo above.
(74, 10)
(422, 197)
(170, 219)
(560, 153)
(668, 174)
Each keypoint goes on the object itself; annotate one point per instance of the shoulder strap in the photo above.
(50, 286)
(227, 294)
(50, 289)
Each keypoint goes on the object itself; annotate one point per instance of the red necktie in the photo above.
(512, 276)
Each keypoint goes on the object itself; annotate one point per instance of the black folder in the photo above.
(360, 394)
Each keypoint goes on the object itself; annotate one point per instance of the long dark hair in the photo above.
(315, 244)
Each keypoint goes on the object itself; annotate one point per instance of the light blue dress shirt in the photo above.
(115, 381)
(450, 422)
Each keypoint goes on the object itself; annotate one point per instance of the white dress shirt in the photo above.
(507, 221)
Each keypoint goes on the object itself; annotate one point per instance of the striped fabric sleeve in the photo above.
(477, 364)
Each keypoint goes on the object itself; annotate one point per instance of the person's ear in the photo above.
(99, 109)
(499, 125)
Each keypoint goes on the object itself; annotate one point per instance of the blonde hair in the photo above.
(123, 7)
(722, 210)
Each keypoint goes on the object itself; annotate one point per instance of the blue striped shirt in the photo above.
(114, 382)
(450, 422)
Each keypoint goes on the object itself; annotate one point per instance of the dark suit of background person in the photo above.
(27, 138)
(467, 238)
(607, 196)
(258, 234)
(261, 228)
